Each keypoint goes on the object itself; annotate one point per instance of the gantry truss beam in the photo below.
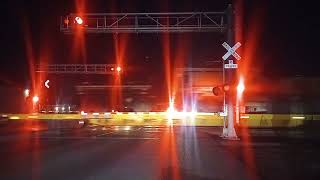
(145, 22)
(77, 68)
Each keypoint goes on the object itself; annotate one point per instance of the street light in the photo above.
(118, 68)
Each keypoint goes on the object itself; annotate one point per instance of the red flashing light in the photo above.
(66, 21)
(240, 87)
(226, 88)
(78, 20)
(26, 93)
(35, 99)
(219, 90)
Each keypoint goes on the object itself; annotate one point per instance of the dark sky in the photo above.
(288, 45)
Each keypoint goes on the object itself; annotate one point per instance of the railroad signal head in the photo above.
(219, 90)
(226, 87)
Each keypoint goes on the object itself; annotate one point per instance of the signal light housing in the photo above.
(219, 90)
(226, 87)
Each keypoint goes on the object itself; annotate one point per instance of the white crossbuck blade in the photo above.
(231, 51)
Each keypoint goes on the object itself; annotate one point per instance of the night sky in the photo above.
(288, 42)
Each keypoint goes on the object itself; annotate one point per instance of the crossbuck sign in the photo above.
(231, 51)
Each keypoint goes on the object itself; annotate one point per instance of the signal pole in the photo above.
(230, 79)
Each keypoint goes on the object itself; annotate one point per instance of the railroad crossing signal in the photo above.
(231, 51)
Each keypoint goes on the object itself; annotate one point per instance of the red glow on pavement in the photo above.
(35, 129)
(168, 154)
(35, 162)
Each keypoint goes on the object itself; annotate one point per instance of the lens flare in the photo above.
(170, 112)
(240, 87)
(120, 42)
(248, 53)
(169, 155)
(35, 99)
(26, 93)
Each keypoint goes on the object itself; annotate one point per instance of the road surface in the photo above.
(96, 152)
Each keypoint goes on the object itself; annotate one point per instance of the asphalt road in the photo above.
(95, 152)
